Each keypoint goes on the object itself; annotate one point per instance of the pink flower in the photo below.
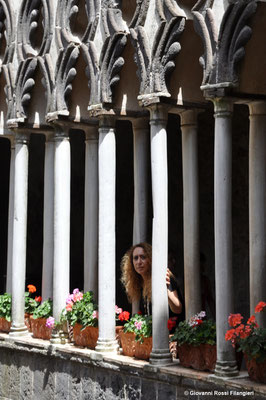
(75, 291)
(70, 298)
(69, 306)
(50, 322)
(78, 296)
(118, 310)
(138, 324)
(95, 314)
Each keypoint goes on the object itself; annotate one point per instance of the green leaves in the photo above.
(83, 311)
(254, 346)
(30, 303)
(195, 335)
(5, 306)
(141, 325)
(45, 310)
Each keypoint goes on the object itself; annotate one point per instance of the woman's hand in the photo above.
(167, 277)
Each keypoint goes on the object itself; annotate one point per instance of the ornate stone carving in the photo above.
(222, 56)
(92, 71)
(156, 61)
(65, 73)
(25, 83)
(111, 64)
(6, 33)
(34, 28)
(78, 21)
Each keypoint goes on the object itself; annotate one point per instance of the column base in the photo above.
(19, 331)
(59, 337)
(107, 346)
(226, 369)
(160, 357)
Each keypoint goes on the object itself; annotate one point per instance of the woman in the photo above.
(136, 278)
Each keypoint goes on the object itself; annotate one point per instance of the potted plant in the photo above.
(5, 312)
(39, 317)
(196, 342)
(121, 317)
(30, 304)
(136, 337)
(251, 340)
(81, 313)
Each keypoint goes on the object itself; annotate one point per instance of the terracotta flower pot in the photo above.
(85, 337)
(202, 357)
(4, 325)
(128, 343)
(39, 329)
(143, 350)
(27, 320)
(256, 371)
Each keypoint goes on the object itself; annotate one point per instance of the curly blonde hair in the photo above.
(132, 281)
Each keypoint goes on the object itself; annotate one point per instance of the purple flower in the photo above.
(50, 322)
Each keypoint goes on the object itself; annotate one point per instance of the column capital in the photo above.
(141, 123)
(60, 134)
(189, 117)
(257, 108)
(223, 107)
(91, 133)
(22, 138)
(158, 113)
(106, 121)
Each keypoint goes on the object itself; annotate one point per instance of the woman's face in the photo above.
(141, 262)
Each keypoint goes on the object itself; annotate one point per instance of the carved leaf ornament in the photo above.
(6, 33)
(222, 54)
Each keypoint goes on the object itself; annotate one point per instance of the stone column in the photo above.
(106, 341)
(10, 216)
(226, 364)
(48, 220)
(160, 351)
(91, 212)
(19, 242)
(141, 138)
(61, 222)
(257, 207)
(191, 212)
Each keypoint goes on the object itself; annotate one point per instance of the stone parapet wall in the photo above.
(42, 371)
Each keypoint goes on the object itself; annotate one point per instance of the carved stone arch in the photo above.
(92, 71)
(26, 82)
(65, 73)
(76, 21)
(111, 63)
(7, 34)
(35, 28)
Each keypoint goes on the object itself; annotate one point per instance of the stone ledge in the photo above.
(173, 376)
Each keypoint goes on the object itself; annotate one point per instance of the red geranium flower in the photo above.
(139, 313)
(38, 299)
(234, 319)
(252, 321)
(171, 323)
(31, 288)
(260, 306)
(124, 316)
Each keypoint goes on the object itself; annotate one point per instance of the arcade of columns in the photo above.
(54, 52)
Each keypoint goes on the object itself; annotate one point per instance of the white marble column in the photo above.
(10, 216)
(91, 212)
(19, 242)
(141, 137)
(191, 212)
(61, 222)
(106, 290)
(226, 364)
(160, 354)
(48, 219)
(257, 207)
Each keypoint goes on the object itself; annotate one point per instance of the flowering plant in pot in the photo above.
(196, 342)
(136, 338)
(5, 312)
(251, 340)
(81, 313)
(38, 321)
(31, 303)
